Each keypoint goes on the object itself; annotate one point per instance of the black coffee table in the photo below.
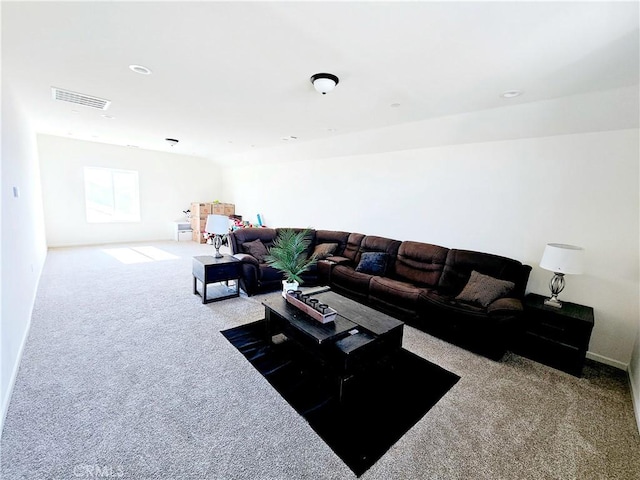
(358, 339)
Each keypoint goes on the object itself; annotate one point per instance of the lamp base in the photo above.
(553, 302)
(217, 243)
(556, 285)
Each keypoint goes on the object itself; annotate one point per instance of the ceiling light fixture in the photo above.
(511, 94)
(140, 69)
(324, 82)
(172, 141)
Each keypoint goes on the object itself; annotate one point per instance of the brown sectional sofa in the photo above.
(446, 292)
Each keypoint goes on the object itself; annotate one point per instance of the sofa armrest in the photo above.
(338, 260)
(246, 258)
(505, 306)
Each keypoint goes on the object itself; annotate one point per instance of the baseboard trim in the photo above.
(14, 375)
(635, 396)
(608, 361)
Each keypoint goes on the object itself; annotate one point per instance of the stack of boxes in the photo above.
(223, 209)
(199, 213)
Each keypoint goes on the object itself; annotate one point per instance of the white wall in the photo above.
(23, 242)
(505, 197)
(168, 184)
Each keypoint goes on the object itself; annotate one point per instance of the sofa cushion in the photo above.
(269, 274)
(324, 250)
(372, 243)
(432, 301)
(244, 235)
(483, 289)
(333, 236)
(460, 264)
(505, 306)
(352, 248)
(374, 263)
(346, 278)
(255, 249)
(420, 263)
(395, 292)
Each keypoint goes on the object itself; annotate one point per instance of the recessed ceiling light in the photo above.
(395, 105)
(511, 94)
(109, 117)
(140, 69)
(75, 112)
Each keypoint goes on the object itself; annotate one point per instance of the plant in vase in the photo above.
(288, 254)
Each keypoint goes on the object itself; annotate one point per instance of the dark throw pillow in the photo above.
(256, 249)
(373, 263)
(483, 289)
(324, 250)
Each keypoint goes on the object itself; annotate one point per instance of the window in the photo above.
(111, 195)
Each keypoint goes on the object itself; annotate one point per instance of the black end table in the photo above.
(558, 337)
(210, 269)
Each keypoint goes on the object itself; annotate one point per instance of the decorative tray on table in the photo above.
(311, 306)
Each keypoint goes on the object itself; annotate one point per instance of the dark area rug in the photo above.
(377, 409)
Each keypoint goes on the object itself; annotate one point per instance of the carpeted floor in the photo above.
(126, 375)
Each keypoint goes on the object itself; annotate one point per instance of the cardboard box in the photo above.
(217, 208)
(200, 209)
(198, 237)
(197, 223)
(229, 209)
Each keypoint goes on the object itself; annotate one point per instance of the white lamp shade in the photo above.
(561, 258)
(217, 224)
(324, 85)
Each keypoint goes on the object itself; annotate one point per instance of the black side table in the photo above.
(209, 269)
(558, 337)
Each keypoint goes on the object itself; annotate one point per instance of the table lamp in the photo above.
(218, 225)
(561, 259)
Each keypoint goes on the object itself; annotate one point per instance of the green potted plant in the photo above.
(288, 254)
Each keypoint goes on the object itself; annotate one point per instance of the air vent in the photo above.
(79, 98)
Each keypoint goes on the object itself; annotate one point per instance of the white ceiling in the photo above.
(233, 77)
